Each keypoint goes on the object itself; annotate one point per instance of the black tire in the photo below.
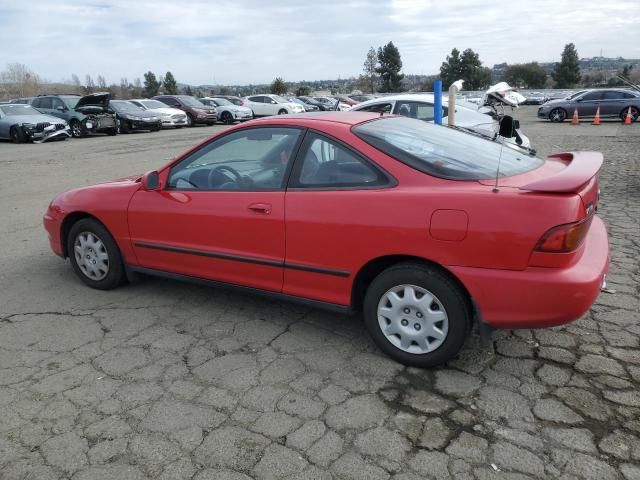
(226, 118)
(77, 130)
(452, 297)
(155, 129)
(282, 112)
(112, 132)
(125, 127)
(17, 134)
(558, 115)
(190, 120)
(115, 275)
(635, 113)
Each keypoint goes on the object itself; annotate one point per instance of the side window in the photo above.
(378, 107)
(170, 101)
(592, 96)
(257, 99)
(36, 102)
(419, 110)
(253, 159)
(612, 95)
(326, 163)
(56, 102)
(629, 95)
(45, 102)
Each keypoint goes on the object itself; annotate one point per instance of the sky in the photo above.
(252, 41)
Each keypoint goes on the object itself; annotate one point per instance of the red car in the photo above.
(390, 216)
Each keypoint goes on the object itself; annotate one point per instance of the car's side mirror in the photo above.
(61, 108)
(151, 181)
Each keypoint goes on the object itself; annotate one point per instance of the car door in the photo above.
(220, 212)
(58, 108)
(330, 207)
(271, 107)
(589, 103)
(43, 104)
(612, 103)
(257, 104)
(420, 110)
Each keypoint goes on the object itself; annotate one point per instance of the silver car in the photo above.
(228, 112)
(171, 117)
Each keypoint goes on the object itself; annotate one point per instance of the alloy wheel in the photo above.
(557, 115)
(413, 319)
(91, 255)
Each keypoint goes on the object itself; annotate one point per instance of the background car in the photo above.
(346, 100)
(171, 117)
(307, 106)
(613, 103)
(132, 118)
(88, 114)
(421, 107)
(361, 97)
(264, 105)
(22, 123)
(312, 101)
(535, 98)
(385, 215)
(328, 102)
(228, 112)
(232, 98)
(197, 112)
(26, 100)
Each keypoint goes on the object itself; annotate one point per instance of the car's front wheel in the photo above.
(227, 118)
(77, 130)
(557, 115)
(17, 134)
(94, 255)
(417, 314)
(190, 121)
(282, 112)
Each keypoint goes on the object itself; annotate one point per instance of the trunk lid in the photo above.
(568, 172)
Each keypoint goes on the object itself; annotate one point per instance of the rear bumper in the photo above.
(541, 297)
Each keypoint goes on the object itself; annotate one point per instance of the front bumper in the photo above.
(177, 121)
(543, 113)
(52, 222)
(41, 134)
(541, 297)
(145, 125)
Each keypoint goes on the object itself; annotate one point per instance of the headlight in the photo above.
(133, 117)
(28, 126)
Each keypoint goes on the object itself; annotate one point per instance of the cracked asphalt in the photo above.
(164, 380)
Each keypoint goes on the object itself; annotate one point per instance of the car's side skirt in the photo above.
(240, 258)
(333, 307)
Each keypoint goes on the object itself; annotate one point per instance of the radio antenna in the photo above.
(495, 186)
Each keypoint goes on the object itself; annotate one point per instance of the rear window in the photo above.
(443, 152)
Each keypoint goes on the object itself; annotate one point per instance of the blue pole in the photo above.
(437, 103)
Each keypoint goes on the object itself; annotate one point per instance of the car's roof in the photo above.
(346, 118)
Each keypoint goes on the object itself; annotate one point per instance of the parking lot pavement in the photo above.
(164, 380)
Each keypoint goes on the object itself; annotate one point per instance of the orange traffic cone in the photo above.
(596, 120)
(575, 120)
(627, 119)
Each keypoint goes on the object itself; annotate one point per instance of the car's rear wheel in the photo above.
(94, 255)
(557, 115)
(227, 118)
(113, 131)
(125, 127)
(635, 113)
(282, 112)
(77, 130)
(417, 314)
(17, 134)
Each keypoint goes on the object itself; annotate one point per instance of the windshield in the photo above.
(192, 102)
(222, 101)
(279, 99)
(70, 101)
(574, 95)
(443, 152)
(19, 109)
(124, 106)
(152, 104)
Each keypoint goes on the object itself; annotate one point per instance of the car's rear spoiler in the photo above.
(582, 167)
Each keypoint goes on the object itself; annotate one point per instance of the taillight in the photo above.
(564, 238)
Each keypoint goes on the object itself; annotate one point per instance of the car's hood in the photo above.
(503, 93)
(35, 119)
(99, 99)
(555, 101)
(166, 111)
(235, 108)
(141, 114)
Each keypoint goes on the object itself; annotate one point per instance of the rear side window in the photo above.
(420, 110)
(613, 95)
(592, 96)
(443, 152)
(377, 107)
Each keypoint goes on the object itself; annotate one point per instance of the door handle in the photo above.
(263, 208)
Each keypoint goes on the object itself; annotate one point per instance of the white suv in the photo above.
(264, 105)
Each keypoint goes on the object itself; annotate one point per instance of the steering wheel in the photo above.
(226, 170)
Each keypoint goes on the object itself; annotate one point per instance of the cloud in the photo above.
(250, 41)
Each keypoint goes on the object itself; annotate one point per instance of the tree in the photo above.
(151, 85)
(89, 86)
(20, 81)
(369, 77)
(136, 88)
(278, 86)
(467, 67)
(170, 84)
(303, 91)
(567, 72)
(188, 91)
(75, 81)
(525, 75)
(389, 66)
(102, 83)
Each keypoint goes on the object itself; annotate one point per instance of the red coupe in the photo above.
(397, 218)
